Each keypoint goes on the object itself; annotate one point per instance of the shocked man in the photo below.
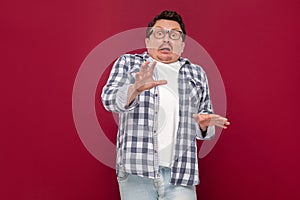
(164, 106)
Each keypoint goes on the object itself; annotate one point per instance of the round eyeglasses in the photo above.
(160, 33)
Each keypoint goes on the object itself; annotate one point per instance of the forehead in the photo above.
(168, 24)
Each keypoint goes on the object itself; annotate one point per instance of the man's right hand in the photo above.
(143, 81)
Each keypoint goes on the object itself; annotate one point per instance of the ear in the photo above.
(147, 42)
(182, 46)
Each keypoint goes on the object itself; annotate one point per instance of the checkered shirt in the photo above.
(137, 146)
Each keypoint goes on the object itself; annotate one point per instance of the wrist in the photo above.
(132, 93)
(203, 128)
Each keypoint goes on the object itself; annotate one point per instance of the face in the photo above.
(165, 50)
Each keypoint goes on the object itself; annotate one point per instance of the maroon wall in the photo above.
(255, 45)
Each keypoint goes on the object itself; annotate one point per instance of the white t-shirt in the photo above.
(168, 115)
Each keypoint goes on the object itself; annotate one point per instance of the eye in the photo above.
(175, 35)
(159, 33)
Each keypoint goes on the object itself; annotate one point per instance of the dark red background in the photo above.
(255, 45)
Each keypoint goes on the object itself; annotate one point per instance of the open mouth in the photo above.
(165, 49)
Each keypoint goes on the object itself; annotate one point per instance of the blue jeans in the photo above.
(133, 187)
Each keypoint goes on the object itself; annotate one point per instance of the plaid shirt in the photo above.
(137, 150)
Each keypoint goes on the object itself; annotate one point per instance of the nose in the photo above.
(167, 37)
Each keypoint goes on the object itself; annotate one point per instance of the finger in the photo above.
(219, 119)
(151, 69)
(156, 83)
(161, 82)
(215, 116)
(137, 76)
(223, 124)
(144, 66)
(227, 123)
(217, 123)
(224, 127)
(150, 85)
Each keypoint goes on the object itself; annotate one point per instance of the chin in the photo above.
(167, 58)
(164, 59)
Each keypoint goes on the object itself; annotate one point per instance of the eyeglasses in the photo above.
(160, 33)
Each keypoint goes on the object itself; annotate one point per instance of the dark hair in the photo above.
(168, 15)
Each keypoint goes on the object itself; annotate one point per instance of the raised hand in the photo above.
(144, 78)
(143, 81)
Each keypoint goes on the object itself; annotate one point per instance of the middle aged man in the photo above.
(164, 106)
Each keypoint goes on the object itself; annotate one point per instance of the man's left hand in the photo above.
(205, 120)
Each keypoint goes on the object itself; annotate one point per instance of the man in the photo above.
(164, 106)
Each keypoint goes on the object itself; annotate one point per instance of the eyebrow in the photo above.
(176, 29)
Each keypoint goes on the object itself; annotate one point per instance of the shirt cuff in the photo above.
(207, 135)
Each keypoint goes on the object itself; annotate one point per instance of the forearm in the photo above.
(131, 94)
